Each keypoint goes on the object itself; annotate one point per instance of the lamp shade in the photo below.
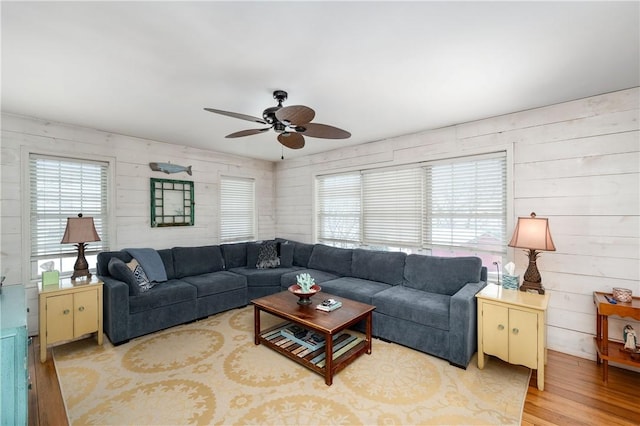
(80, 230)
(532, 233)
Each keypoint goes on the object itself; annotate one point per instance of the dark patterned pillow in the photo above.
(140, 276)
(268, 256)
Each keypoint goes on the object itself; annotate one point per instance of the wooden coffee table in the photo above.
(285, 305)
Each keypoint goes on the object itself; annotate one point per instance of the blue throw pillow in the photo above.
(253, 249)
(286, 255)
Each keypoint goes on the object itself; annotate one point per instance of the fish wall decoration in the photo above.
(170, 168)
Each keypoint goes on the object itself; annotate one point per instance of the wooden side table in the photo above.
(607, 350)
(511, 326)
(69, 311)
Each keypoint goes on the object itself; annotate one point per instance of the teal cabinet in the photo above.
(13, 356)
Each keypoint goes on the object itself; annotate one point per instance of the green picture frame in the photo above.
(172, 203)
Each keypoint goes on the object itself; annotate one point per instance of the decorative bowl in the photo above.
(304, 298)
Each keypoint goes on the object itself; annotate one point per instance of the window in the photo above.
(392, 207)
(62, 188)
(237, 209)
(448, 208)
(338, 209)
(466, 207)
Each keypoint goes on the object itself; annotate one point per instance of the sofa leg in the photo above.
(121, 343)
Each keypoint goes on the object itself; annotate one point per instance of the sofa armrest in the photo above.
(463, 320)
(115, 297)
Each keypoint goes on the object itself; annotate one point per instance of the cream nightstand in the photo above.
(511, 326)
(69, 311)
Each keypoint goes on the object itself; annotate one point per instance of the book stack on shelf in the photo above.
(329, 305)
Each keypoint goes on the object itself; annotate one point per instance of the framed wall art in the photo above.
(172, 203)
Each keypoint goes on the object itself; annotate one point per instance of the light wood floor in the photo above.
(574, 394)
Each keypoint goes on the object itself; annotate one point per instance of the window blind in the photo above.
(338, 208)
(62, 188)
(237, 209)
(465, 204)
(392, 207)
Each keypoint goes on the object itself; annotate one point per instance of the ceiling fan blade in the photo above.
(324, 131)
(237, 115)
(249, 132)
(295, 114)
(291, 140)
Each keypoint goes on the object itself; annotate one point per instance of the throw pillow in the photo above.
(140, 276)
(253, 250)
(286, 255)
(268, 256)
(121, 272)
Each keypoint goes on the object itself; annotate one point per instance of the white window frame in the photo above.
(237, 220)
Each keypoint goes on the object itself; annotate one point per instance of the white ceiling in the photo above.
(376, 69)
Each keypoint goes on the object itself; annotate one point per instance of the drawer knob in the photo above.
(500, 327)
(515, 331)
(65, 312)
(81, 308)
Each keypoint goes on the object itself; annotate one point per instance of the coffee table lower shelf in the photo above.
(347, 346)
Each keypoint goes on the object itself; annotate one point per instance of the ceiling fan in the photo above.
(291, 123)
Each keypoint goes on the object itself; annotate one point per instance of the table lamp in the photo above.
(80, 231)
(532, 233)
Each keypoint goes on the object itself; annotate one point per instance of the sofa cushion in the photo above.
(235, 255)
(121, 272)
(301, 254)
(331, 259)
(190, 261)
(354, 288)
(383, 266)
(443, 275)
(163, 294)
(216, 282)
(420, 307)
(286, 254)
(167, 258)
(268, 255)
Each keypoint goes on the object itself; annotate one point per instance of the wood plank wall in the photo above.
(131, 208)
(577, 163)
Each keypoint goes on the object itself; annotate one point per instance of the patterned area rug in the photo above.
(210, 372)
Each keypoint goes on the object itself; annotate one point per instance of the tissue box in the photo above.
(51, 278)
(510, 282)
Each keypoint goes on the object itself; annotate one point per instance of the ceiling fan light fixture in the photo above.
(279, 127)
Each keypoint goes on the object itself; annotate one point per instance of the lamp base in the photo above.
(529, 286)
(81, 267)
(83, 274)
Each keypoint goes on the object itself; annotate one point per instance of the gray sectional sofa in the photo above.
(424, 302)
